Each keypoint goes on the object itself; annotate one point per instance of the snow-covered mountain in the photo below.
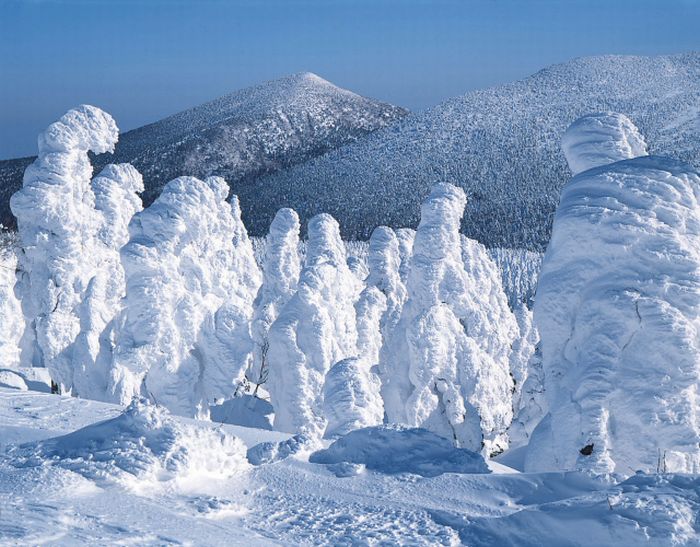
(501, 145)
(239, 136)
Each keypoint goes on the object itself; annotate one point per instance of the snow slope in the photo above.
(294, 502)
(239, 136)
(500, 144)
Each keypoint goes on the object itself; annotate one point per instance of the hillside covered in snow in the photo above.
(500, 144)
(240, 136)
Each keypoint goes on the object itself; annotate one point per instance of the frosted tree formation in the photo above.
(314, 330)
(117, 200)
(529, 403)
(182, 337)
(617, 309)
(249, 276)
(12, 324)
(437, 370)
(406, 237)
(384, 261)
(280, 276)
(352, 389)
(57, 223)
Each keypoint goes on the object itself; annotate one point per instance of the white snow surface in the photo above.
(294, 502)
(142, 449)
(400, 449)
(617, 309)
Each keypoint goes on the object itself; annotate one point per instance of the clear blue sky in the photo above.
(144, 59)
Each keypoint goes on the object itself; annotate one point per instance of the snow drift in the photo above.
(618, 310)
(398, 449)
(140, 449)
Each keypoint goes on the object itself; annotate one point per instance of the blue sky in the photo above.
(144, 59)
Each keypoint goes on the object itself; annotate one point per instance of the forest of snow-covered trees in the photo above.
(174, 303)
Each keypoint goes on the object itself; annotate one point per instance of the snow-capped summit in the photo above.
(239, 136)
(618, 311)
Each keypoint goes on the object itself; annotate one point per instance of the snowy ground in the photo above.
(297, 502)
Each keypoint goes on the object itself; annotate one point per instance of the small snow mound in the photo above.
(600, 139)
(393, 449)
(246, 410)
(12, 380)
(140, 448)
(271, 452)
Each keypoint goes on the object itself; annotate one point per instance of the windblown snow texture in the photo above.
(617, 308)
(57, 224)
(445, 366)
(314, 330)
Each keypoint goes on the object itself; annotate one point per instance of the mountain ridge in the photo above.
(239, 136)
(500, 144)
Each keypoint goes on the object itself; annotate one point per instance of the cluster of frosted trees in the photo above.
(168, 302)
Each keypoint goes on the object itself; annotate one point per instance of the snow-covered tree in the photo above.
(314, 330)
(249, 276)
(183, 335)
(12, 321)
(57, 225)
(618, 309)
(384, 260)
(406, 237)
(352, 394)
(445, 366)
(529, 405)
(281, 268)
(116, 191)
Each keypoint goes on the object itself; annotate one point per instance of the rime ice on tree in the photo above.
(445, 367)
(183, 336)
(57, 225)
(617, 309)
(314, 330)
(281, 269)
